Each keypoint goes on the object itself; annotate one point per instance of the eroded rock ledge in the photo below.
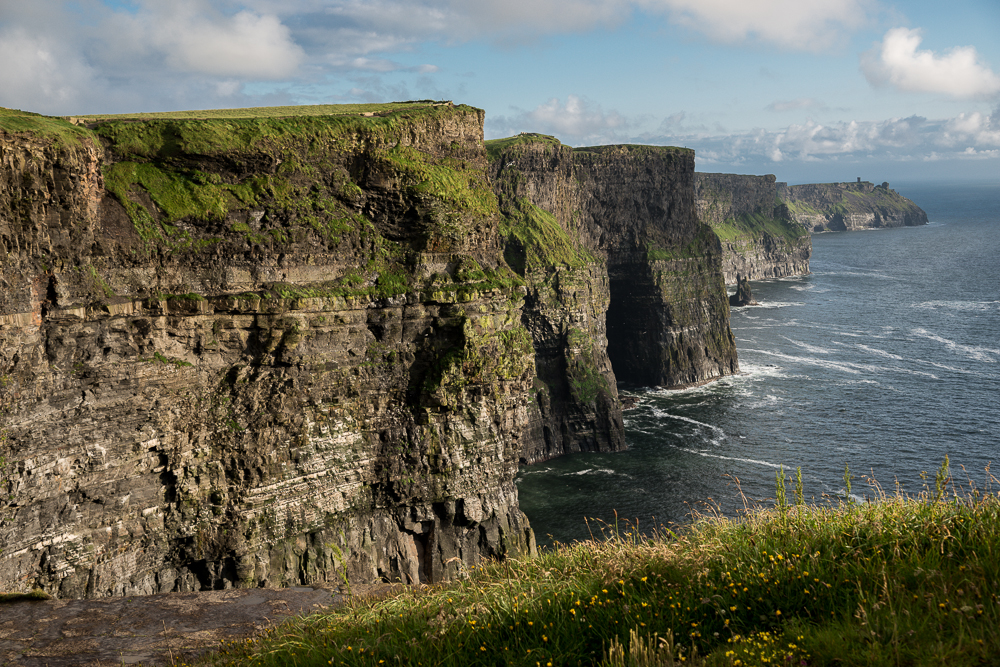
(252, 351)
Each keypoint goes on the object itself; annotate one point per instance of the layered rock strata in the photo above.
(256, 352)
(624, 283)
(253, 351)
(838, 207)
(759, 237)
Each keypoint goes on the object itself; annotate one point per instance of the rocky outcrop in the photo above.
(743, 295)
(609, 230)
(246, 352)
(256, 352)
(837, 207)
(758, 235)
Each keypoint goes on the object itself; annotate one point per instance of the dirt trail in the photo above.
(147, 630)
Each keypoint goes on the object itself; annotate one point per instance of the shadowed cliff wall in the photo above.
(636, 295)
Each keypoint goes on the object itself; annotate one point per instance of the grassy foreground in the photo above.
(900, 581)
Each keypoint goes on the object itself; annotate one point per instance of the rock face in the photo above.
(837, 207)
(255, 351)
(609, 230)
(759, 237)
(743, 295)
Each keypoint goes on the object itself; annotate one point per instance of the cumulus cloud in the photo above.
(898, 63)
(67, 57)
(805, 25)
(575, 122)
(192, 36)
(73, 55)
(966, 136)
(36, 68)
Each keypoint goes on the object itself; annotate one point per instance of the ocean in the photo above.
(885, 359)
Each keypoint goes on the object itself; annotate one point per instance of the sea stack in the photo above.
(743, 296)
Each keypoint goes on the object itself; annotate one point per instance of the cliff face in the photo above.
(257, 352)
(759, 237)
(252, 351)
(837, 207)
(629, 288)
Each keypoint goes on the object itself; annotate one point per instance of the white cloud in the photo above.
(896, 62)
(896, 139)
(246, 45)
(810, 25)
(38, 69)
(191, 36)
(576, 122)
(806, 25)
(795, 105)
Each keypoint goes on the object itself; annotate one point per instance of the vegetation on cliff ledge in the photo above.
(14, 121)
(757, 225)
(899, 581)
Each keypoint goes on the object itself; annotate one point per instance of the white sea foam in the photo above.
(879, 353)
(961, 306)
(776, 466)
(604, 471)
(751, 372)
(853, 274)
(953, 369)
(768, 305)
(843, 366)
(807, 347)
(976, 353)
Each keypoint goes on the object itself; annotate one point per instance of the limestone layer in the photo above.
(249, 352)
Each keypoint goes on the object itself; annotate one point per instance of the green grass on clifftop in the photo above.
(495, 147)
(271, 112)
(754, 226)
(899, 581)
(169, 135)
(57, 129)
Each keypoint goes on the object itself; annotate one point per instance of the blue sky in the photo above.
(809, 90)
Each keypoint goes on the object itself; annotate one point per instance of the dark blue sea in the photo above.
(885, 359)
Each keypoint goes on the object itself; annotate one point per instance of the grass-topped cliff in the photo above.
(301, 343)
(898, 581)
(823, 207)
(321, 339)
(14, 121)
(760, 238)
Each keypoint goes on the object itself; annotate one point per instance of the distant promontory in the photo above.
(838, 207)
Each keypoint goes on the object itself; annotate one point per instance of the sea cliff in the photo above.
(837, 207)
(247, 351)
(624, 283)
(760, 239)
